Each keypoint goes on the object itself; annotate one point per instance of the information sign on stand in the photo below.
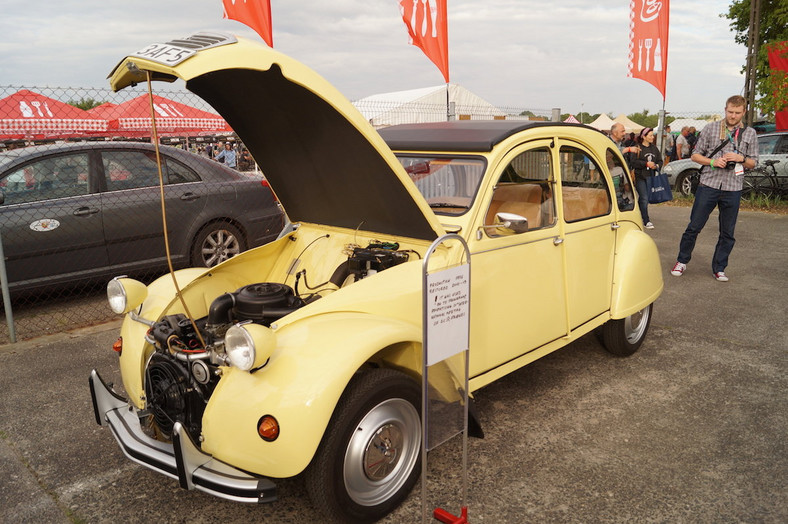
(446, 336)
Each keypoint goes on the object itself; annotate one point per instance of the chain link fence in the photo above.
(80, 200)
(79, 184)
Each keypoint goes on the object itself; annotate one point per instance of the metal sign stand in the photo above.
(446, 337)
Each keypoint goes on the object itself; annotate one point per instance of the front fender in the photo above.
(300, 386)
(637, 276)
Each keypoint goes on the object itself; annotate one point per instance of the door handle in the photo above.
(85, 211)
(188, 197)
(558, 241)
(615, 225)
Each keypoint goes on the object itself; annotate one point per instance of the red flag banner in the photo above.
(254, 13)
(428, 29)
(649, 21)
(778, 63)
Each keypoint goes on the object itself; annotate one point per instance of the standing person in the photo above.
(692, 139)
(645, 163)
(228, 156)
(670, 142)
(617, 136)
(724, 149)
(682, 144)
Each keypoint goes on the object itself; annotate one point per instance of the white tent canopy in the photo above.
(602, 122)
(424, 105)
(629, 125)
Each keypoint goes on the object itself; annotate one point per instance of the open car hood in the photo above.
(325, 162)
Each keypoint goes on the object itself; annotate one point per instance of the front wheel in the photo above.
(216, 243)
(687, 182)
(369, 458)
(623, 337)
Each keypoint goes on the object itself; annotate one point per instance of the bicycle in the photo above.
(764, 181)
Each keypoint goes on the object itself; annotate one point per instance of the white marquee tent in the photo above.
(602, 122)
(425, 105)
(629, 125)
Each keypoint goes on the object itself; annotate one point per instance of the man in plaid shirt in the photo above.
(720, 183)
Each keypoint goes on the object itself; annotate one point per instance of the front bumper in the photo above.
(182, 460)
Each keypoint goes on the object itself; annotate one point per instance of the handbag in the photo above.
(658, 189)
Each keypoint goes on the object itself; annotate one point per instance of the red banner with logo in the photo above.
(254, 13)
(778, 63)
(428, 29)
(648, 41)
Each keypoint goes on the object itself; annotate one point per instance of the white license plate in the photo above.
(165, 54)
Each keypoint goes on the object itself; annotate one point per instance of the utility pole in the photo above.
(753, 46)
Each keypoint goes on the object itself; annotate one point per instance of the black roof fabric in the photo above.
(463, 136)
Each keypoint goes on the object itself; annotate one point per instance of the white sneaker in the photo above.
(649, 225)
(721, 276)
(678, 269)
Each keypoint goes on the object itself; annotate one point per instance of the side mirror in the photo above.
(508, 223)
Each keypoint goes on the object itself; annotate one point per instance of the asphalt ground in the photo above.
(690, 429)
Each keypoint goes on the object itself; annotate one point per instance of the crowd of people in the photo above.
(228, 153)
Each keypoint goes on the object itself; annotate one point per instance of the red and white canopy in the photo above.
(28, 115)
(134, 118)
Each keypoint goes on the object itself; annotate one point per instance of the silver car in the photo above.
(683, 174)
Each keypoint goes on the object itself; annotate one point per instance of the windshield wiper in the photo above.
(447, 204)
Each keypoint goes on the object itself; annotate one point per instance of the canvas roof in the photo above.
(602, 122)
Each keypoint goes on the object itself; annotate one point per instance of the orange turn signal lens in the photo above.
(117, 347)
(268, 428)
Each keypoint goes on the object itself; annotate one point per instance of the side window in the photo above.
(178, 173)
(584, 191)
(768, 144)
(46, 179)
(130, 169)
(621, 182)
(525, 188)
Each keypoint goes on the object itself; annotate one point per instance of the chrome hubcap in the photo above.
(635, 325)
(382, 452)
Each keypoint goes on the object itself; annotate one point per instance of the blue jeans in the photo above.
(642, 188)
(706, 199)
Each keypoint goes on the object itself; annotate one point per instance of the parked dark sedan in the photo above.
(85, 211)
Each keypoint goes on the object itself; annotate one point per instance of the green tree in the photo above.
(645, 119)
(86, 103)
(771, 90)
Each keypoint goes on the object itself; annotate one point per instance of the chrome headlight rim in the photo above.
(116, 295)
(240, 347)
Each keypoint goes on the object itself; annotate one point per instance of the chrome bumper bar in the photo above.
(182, 460)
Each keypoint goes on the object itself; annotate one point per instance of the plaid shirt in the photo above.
(710, 137)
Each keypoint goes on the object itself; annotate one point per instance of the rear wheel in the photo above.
(216, 243)
(757, 183)
(687, 182)
(623, 337)
(369, 458)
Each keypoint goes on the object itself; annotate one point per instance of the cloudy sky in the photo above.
(529, 54)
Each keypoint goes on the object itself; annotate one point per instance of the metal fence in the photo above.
(86, 207)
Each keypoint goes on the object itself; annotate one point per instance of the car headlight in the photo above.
(125, 294)
(668, 169)
(249, 346)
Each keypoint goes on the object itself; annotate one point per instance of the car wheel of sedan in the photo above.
(623, 337)
(369, 458)
(687, 182)
(216, 243)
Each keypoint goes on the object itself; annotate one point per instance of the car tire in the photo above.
(349, 479)
(687, 182)
(216, 243)
(623, 337)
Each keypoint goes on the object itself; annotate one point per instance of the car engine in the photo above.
(185, 367)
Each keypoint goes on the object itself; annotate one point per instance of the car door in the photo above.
(132, 207)
(517, 277)
(588, 238)
(52, 227)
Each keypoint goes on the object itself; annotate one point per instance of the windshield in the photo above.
(448, 184)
